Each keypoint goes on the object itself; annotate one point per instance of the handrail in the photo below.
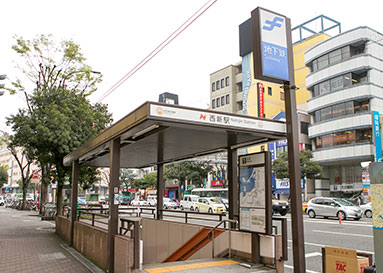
(211, 233)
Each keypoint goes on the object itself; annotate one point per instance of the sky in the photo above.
(116, 35)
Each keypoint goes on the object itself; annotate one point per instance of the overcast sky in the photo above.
(116, 35)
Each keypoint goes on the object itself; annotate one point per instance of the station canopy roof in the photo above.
(181, 132)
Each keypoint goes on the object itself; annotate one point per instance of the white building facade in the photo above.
(346, 84)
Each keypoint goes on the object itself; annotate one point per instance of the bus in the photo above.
(212, 192)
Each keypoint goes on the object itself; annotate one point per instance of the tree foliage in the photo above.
(148, 181)
(127, 177)
(58, 117)
(3, 175)
(309, 168)
(193, 171)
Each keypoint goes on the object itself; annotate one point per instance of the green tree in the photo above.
(3, 175)
(309, 168)
(127, 177)
(24, 160)
(193, 171)
(58, 117)
(149, 181)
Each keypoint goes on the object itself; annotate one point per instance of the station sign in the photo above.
(272, 47)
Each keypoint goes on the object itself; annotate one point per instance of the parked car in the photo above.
(152, 200)
(333, 207)
(224, 201)
(210, 205)
(2, 202)
(91, 198)
(169, 203)
(367, 210)
(280, 206)
(138, 202)
(81, 200)
(188, 202)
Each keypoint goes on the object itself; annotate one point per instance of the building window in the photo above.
(336, 56)
(359, 77)
(361, 106)
(227, 81)
(213, 86)
(270, 91)
(339, 83)
(222, 100)
(282, 95)
(218, 102)
(217, 85)
(363, 135)
(356, 50)
(239, 87)
(227, 99)
(213, 104)
(239, 106)
(342, 138)
(341, 109)
(222, 83)
(304, 128)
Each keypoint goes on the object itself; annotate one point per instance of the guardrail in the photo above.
(188, 215)
(211, 233)
(81, 214)
(132, 226)
(283, 221)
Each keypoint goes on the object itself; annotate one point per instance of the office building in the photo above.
(345, 83)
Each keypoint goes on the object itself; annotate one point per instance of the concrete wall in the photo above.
(163, 238)
(92, 242)
(63, 227)
(124, 259)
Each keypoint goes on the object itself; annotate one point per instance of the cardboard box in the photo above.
(342, 260)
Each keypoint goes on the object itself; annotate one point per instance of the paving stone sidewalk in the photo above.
(29, 245)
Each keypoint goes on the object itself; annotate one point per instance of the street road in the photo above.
(321, 232)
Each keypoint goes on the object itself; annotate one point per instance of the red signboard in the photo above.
(260, 100)
(216, 183)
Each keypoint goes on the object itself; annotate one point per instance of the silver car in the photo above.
(333, 207)
(367, 210)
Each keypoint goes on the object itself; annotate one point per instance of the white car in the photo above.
(367, 210)
(2, 202)
(333, 207)
(188, 202)
(210, 205)
(169, 203)
(152, 200)
(138, 202)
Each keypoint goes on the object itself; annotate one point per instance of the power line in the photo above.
(159, 48)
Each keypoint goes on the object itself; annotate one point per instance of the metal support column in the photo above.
(160, 176)
(232, 172)
(113, 206)
(295, 177)
(73, 203)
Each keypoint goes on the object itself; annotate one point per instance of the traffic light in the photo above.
(2, 85)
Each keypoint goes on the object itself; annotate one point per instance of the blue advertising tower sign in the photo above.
(377, 136)
(272, 46)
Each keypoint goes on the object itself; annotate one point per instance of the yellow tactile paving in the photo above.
(189, 266)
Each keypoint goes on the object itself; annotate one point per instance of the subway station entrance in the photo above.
(156, 134)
